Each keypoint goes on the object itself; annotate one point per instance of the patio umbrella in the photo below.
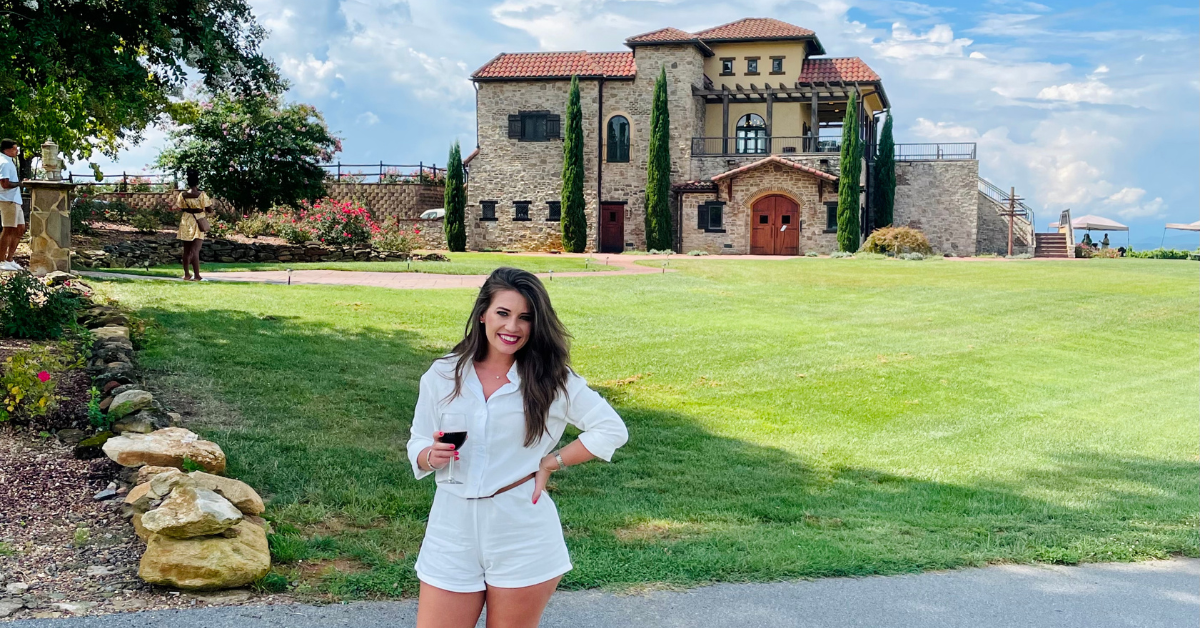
(1096, 223)
(1194, 226)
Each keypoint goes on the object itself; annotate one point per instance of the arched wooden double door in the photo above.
(775, 226)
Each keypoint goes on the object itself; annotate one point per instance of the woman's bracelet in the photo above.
(561, 465)
(428, 462)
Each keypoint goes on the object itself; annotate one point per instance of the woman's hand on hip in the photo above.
(440, 454)
(548, 465)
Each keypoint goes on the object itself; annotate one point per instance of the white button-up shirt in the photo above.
(8, 170)
(494, 454)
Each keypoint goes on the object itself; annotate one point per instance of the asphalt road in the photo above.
(1143, 595)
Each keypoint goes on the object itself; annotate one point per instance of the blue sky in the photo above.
(1093, 106)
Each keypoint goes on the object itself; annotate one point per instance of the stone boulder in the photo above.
(142, 422)
(165, 448)
(209, 562)
(145, 473)
(129, 402)
(237, 492)
(113, 331)
(190, 512)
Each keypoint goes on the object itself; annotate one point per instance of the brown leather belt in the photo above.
(508, 488)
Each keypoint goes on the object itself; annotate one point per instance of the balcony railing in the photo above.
(763, 145)
(934, 152)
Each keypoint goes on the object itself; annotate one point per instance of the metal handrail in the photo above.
(990, 190)
(764, 145)
(936, 151)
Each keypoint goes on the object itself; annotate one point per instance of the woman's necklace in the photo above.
(494, 377)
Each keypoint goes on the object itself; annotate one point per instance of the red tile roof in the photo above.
(755, 28)
(846, 70)
(776, 159)
(538, 65)
(694, 186)
(662, 35)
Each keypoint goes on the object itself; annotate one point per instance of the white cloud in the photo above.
(977, 55)
(310, 76)
(1127, 203)
(1090, 91)
(1153, 209)
(938, 41)
(367, 118)
(1103, 69)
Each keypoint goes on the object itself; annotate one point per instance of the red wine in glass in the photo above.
(454, 431)
(454, 438)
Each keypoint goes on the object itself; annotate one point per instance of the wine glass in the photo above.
(454, 431)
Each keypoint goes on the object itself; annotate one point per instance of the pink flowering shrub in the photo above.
(393, 237)
(329, 221)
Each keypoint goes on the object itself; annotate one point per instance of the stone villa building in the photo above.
(756, 114)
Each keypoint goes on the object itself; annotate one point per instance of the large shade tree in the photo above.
(93, 74)
(658, 170)
(574, 222)
(254, 152)
(848, 180)
(454, 198)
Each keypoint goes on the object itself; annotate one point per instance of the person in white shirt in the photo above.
(12, 215)
(505, 394)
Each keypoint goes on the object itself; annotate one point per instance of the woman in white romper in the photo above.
(496, 538)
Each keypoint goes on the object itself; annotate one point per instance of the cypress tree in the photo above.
(455, 201)
(885, 176)
(574, 223)
(658, 171)
(851, 170)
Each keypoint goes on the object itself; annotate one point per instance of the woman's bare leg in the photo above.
(439, 608)
(518, 608)
(196, 244)
(187, 259)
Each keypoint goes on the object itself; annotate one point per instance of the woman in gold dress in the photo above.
(193, 203)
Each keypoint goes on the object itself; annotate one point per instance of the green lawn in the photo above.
(459, 264)
(788, 419)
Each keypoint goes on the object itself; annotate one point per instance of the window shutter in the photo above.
(552, 126)
(702, 216)
(514, 126)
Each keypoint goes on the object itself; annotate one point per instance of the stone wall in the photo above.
(405, 200)
(941, 199)
(508, 170)
(432, 234)
(992, 233)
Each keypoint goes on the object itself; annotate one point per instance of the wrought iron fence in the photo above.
(935, 152)
(337, 172)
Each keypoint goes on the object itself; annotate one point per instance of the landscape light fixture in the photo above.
(289, 276)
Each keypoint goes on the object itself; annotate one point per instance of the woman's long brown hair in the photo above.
(544, 363)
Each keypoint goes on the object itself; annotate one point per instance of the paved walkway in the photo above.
(401, 280)
(1117, 595)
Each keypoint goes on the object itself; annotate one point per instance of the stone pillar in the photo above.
(49, 226)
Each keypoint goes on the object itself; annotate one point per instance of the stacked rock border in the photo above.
(144, 253)
(202, 531)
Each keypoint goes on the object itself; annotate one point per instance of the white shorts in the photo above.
(504, 541)
(11, 214)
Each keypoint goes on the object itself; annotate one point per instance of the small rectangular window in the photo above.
(716, 218)
(487, 210)
(764, 219)
(752, 65)
(521, 210)
(831, 218)
(534, 126)
(555, 214)
(727, 66)
(776, 65)
(785, 219)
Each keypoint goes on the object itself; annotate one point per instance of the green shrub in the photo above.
(1158, 254)
(1107, 253)
(812, 254)
(391, 236)
(96, 417)
(28, 383)
(273, 582)
(81, 212)
(697, 253)
(218, 228)
(841, 255)
(254, 225)
(897, 240)
(912, 257)
(31, 309)
(146, 220)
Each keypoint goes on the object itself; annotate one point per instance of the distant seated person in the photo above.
(1121, 250)
(1104, 242)
(1087, 239)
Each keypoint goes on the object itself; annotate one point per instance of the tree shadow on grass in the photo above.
(322, 420)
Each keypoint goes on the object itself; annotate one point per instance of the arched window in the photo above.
(751, 134)
(618, 139)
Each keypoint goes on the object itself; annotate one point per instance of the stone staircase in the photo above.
(1050, 245)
